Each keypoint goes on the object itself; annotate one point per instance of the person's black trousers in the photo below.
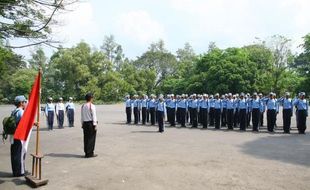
(160, 120)
(168, 109)
(224, 117)
(230, 118)
(191, 118)
(71, 117)
(199, 116)
(152, 113)
(147, 115)
(128, 114)
(136, 114)
(211, 116)
(243, 119)
(182, 116)
(261, 119)
(249, 114)
(17, 158)
(172, 116)
(271, 119)
(143, 115)
(255, 118)
(302, 118)
(61, 116)
(217, 118)
(236, 118)
(178, 115)
(287, 114)
(204, 117)
(194, 117)
(50, 119)
(89, 138)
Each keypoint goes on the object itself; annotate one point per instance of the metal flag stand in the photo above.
(35, 179)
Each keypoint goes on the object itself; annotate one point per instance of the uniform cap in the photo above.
(242, 94)
(70, 98)
(229, 94)
(50, 98)
(254, 94)
(302, 94)
(287, 93)
(20, 99)
(60, 99)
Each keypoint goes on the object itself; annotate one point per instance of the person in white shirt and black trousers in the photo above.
(89, 125)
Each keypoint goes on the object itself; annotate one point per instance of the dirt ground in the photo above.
(137, 157)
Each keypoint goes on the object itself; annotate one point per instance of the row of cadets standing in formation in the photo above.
(228, 110)
(59, 110)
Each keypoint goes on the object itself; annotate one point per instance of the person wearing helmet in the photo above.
(60, 113)
(49, 112)
(70, 108)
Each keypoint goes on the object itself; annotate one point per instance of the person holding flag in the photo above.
(25, 122)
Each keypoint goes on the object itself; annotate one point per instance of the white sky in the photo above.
(137, 23)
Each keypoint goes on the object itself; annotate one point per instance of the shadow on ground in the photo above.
(63, 155)
(294, 149)
(8, 177)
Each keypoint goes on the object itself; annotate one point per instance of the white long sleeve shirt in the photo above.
(88, 113)
(59, 106)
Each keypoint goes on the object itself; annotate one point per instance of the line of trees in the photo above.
(263, 66)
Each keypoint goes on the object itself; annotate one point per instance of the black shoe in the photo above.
(91, 156)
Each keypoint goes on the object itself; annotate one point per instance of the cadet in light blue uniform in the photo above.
(230, 111)
(272, 110)
(136, 104)
(144, 105)
(70, 108)
(152, 105)
(262, 110)
(128, 104)
(194, 116)
(302, 112)
(211, 110)
(217, 111)
(204, 110)
(224, 110)
(255, 105)
(160, 112)
(172, 105)
(243, 109)
(181, 107)
(287, 113)
(50, 112)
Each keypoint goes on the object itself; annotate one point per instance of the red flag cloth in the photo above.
(27, 120)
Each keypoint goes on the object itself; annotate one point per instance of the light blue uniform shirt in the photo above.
(218, 104)
(211, 103)
(128, 103)
(172, 103)
(18, 113)
(70, 106)
(194, 103)
(144, 103)
(152, 103)
(136, 103)
(204, 104)
(161, 106)
(272, 104)
(255, 103)
(230, 104)
(224, 103)
(242, 104)
(301, 104)
(287, 103)
(189, 103)
(49, 107)
(182, 104)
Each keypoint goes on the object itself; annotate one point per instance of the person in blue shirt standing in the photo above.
(128, 103)
(177, 112)
(172, 110)
(144, 108)
(136, 109)
(217, 111)
(160, 112)
(204, 110)
(255, 104)
(249, 113)
(302, 112)
(262, 110)
(190, 109)
(182, 107)
(70, 108)
(50, 112)
(287, 112)
(236, 114)
(18, 148)
(243, 109)
(272, 110)
(152, 105)
(224, 111)
(211, 110)
(230, 111)
(194, 114)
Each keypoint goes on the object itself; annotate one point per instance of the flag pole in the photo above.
(35, 178)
